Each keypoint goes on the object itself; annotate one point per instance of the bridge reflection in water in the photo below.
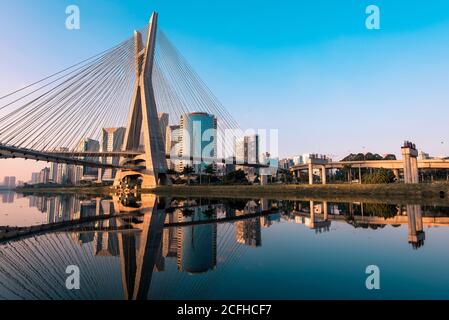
(148, 247)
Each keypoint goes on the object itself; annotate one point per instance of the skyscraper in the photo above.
(9, 182)
(198, 139)
(172, 144)
(35, 177)
(44, 175)
(247, 151)
(61, 173)
(111, 140)
(86, 173)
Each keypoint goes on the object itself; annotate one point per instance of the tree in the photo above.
(390, 157)
(286, 176)
(210, 171)
(236, 177)
(380, 176)
(187, 171)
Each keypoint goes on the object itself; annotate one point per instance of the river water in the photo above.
(149, 247)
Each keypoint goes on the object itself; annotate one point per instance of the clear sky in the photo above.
(308, 68)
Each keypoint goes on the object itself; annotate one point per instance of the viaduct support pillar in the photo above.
(360, 175)
(410, 155)
(310, 173)
(323, 175)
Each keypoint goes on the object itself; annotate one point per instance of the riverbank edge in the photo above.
(437, 192)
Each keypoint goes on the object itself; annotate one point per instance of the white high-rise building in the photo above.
(247, 151)
(61, 173)
(111, 140)
(173, 144)
(86, 173)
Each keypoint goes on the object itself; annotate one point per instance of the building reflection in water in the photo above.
(7, 196)
(248, 232)
(143, 246)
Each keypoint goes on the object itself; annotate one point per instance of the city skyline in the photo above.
(342, 80)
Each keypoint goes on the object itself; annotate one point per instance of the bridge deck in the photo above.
(78, 158)
(377, 164)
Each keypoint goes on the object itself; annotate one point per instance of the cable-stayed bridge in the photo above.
(126, 86)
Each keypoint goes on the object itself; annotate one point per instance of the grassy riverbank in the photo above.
(435, 192)
(405, 190)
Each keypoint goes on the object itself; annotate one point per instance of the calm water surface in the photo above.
(172, 248)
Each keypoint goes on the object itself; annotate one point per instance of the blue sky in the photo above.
(308, 68)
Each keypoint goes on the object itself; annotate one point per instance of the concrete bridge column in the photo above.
(360, 175)
(410, 154)
(323, 175)
(414, 168)
(310, 173)
(263, 180)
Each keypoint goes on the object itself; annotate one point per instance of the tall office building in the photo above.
(111, 140)
(286, 163)
(44, 175)
(9, 182)
(247, 151)
(61, 173)
(198, 139)
(273, 164)
(35, 177)
(172, 144)
(86, 173)
(297, 160)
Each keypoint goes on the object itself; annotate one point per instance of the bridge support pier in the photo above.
(360, 175)
(410, 155)
(323, 175)
(310, 173)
